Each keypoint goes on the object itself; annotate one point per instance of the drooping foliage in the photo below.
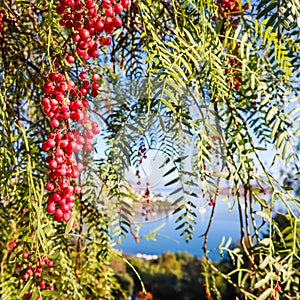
(210, 86)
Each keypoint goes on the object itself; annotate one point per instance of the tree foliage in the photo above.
(215, 91)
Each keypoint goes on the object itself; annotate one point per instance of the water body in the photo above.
(225, 225)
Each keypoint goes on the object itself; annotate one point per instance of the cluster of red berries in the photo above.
(147, 194)
(57, 105)
(60, 109)
(137, 174)
(30, 267)
(142, 152)
(235, 81)
(277, 289)
(142, 155)
(90, 22)
(83, 139)
(1, 20)
(230, 8)
(89, 86)
(147, 209)
(65, 102)
(212, 201)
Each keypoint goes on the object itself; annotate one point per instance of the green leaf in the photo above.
(70, 224)
(172, 181)
(168, 104)
(26, 287)
(170, 171)
(181, 207)
(264, 12)
(176, 191)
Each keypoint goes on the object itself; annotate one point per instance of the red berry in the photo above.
(61, 77)
(65, 208)
(86, 56)
(86, 84)
(25, 276)
(83, 75)
(51, 208)
(58, 215)
(38, 271)
(106, 4)
(67, 217)
(84, 34)
(50, 143)
(80, 139)
(76, 37)
(78, 6)
(77, 104)
(83, 92)
(94, 93)
(89, 135)
(42, 263)
(85, 103)
(69, 24)
(46, 101)
(29, 271)
(70, 58)
(76, 116)
(50, 263)
(60, 9)
(232, 61)
(125, 3)
(278, 288)
(42, 284)
(70, 136)
(88, 147)
(89, 3)
(95, 85)
(116, 21)
(50, 186)
(109, 12)
(109, 29)
(77, 189)
(96, 77)
(93, 53)
(53, 164)
(63, 143)
(96, 130)
(92, 12)
(78, 17)
(53, 77)
(99, 26)
(62, 22)
(118, 8)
